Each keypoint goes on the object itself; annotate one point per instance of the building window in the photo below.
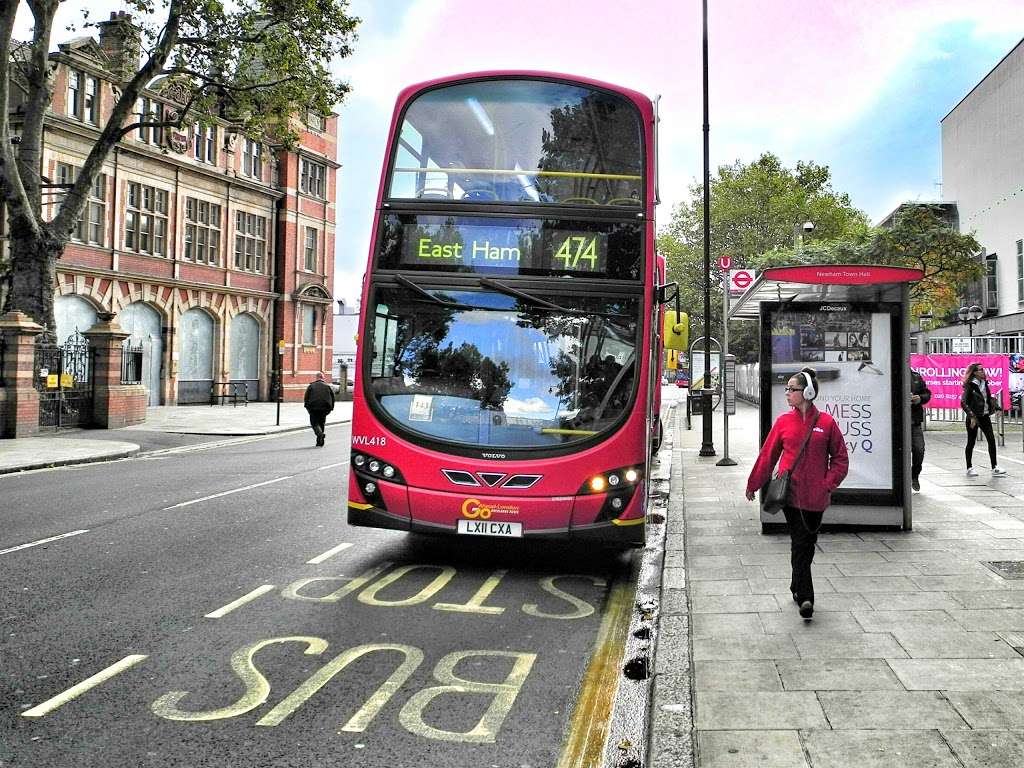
(250, 241)
(991, 284)
(74, 93)
(311, 238)
(202, 232)
(145, 223)
(91, 225)
(312, 179)
(252, 159)
(315, 121)
(92, 104)
(83, 97)
(309, 325)
(204, 140)
(1020, 270)
(149, 111)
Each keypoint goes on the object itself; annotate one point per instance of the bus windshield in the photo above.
(520, 141)
(487, 369)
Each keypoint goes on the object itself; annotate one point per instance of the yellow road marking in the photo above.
(222, 612)
(329, 553)
(75, 691)
(588, 728)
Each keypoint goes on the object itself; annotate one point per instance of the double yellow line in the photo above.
(588, 729)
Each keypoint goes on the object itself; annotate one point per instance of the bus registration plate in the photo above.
(490, 528)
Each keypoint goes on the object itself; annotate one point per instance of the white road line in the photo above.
(75, 691)
(42, 541)
(222, 612)
(329, 553)
(331, 466)
(228, 493)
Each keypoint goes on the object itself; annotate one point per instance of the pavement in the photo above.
(914, 655)
(164, 426)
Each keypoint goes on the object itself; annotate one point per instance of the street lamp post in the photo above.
(707, 447)
(798, 233)
(970, 315)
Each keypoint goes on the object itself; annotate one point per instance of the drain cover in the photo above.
(1008, 569)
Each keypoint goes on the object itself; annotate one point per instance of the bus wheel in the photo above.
(656, 442)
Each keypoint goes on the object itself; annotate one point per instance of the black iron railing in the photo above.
(131, 363)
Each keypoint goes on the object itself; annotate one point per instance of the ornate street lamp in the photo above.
(970, 315)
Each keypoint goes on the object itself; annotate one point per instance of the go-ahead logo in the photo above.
(474, 508)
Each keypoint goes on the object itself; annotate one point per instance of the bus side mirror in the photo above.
(676, 330)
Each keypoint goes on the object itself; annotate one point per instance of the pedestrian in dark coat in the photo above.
(821, 469)
(919, 395)
(979, 405)
(319, 401)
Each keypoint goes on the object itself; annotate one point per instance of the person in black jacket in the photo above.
(919, 395)
(978, 403)
(319, 401)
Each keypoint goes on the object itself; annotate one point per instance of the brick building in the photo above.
(208, 246)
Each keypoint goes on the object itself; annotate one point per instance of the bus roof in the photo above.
(641, 100)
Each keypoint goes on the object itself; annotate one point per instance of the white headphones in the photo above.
(809, 392)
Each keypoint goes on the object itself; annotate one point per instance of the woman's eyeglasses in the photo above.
(793, 389)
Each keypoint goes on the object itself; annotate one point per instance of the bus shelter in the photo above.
(850, 323)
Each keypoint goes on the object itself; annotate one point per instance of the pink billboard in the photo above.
(944, 375)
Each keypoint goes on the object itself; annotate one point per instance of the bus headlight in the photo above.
(613, 479)
(389, 471)
(374, 466)
(370, 489)
(359, 460)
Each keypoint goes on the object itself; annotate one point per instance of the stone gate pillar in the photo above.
(114, 405)
(19, 400)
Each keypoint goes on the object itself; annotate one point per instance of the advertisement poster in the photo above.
(944, 375)
(851, 351)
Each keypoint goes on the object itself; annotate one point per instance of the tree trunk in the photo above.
(34, 272)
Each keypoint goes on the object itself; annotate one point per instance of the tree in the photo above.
(756, 209)
(919, 237)
(253, 63)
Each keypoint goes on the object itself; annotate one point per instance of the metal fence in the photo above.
(3, 355)
(131, 363)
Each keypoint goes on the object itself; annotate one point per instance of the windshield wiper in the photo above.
(508, 290)
(486, 282)
(448, 303)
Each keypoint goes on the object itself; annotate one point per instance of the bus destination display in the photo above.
(511, 248)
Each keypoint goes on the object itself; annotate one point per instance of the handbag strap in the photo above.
(803, 445)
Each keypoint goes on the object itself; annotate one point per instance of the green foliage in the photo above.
(757, 214)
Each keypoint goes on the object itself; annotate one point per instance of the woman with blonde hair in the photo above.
(979, 405)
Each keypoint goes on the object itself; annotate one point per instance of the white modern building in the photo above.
(983, 177)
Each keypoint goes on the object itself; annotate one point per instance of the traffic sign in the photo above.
(740, 280)
(724, 262)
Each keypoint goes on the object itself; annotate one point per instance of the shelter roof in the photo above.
(823, 282)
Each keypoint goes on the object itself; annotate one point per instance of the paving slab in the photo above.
(758, 710)
(837, 675)
(767, 647)
(987, 749)
(939, 643)
(991, 619)
(878, 749)
(989, 709)
(46, 451)
(737, 675)
(877, 710)
(959, 674)
(887, 621)
(751, 749)
(875, 645)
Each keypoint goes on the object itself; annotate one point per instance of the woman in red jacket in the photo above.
(819, 472)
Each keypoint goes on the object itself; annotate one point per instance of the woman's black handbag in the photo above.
(775, 494)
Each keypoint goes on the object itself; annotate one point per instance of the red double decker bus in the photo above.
(510, 349)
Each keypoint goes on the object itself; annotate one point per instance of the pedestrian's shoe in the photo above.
(972, 472)
(795, 598)
(806, 609)
(998, 471)
(319, 441)
(915, 484)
